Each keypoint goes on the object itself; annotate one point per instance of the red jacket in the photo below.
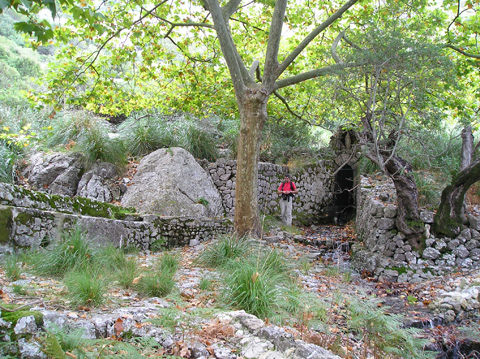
(288, 186)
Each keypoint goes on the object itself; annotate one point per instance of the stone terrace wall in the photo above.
(30, 219)
(386, 253)
(315, 187)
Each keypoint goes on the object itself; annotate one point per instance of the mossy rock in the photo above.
(399, 270)
(5, 224)
(13, 317)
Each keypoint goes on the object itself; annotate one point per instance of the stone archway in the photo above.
(344, 198)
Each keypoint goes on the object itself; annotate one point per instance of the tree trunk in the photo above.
(408, 216)
(450, 218)
(467, 147)
(253, 114)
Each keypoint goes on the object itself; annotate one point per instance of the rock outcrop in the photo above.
(94, 183)
(170, 182)
(57, 173)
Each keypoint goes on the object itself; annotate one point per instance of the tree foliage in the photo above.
(233, 58)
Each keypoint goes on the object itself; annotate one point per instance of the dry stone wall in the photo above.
(32, 219)
(384, 251)
(315, 188)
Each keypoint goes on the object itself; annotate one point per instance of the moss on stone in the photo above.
(302, 219)
(13, 317)
(399, 270)
(24, 217)
(5, 224)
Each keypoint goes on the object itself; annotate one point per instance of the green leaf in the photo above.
(25, 27)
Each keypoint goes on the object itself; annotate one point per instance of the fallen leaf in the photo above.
(136, 280)
(118, 327)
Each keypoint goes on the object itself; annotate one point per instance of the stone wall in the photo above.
(31, 219)
(384, 251)
(315, 188)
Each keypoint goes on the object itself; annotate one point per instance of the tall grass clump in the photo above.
(229, 129)
(200, 142)
(126, 275)
(256, 284)
(122, 268)
(8, 158)
(160, 281)
(145, 135)
(11, 267)
(228, 247)
(73, 250)
(82, 132)
(86, 286)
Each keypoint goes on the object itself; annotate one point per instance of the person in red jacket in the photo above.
(286, 190)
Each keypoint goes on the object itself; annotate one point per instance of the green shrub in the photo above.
(8, 159)
(27, 67)
(8, 31)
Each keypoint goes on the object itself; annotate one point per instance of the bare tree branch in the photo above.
(271, 58)
(333, 50)
(463, 52)
(297, 51)
(312, 74)
(237, 69)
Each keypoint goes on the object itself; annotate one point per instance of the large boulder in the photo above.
(96, 182)
(57, 173)
(169, 182)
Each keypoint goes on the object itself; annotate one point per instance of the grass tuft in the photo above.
(85, 287)
(161, 282)
(72, 251)
(219, 253)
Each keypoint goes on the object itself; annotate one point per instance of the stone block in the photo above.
(431, 253)
(427, 216)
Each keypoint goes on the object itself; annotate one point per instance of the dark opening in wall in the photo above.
(344, 196)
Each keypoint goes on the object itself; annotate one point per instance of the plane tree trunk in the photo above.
(253, 114)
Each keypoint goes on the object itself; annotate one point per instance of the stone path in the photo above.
(324, 270)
